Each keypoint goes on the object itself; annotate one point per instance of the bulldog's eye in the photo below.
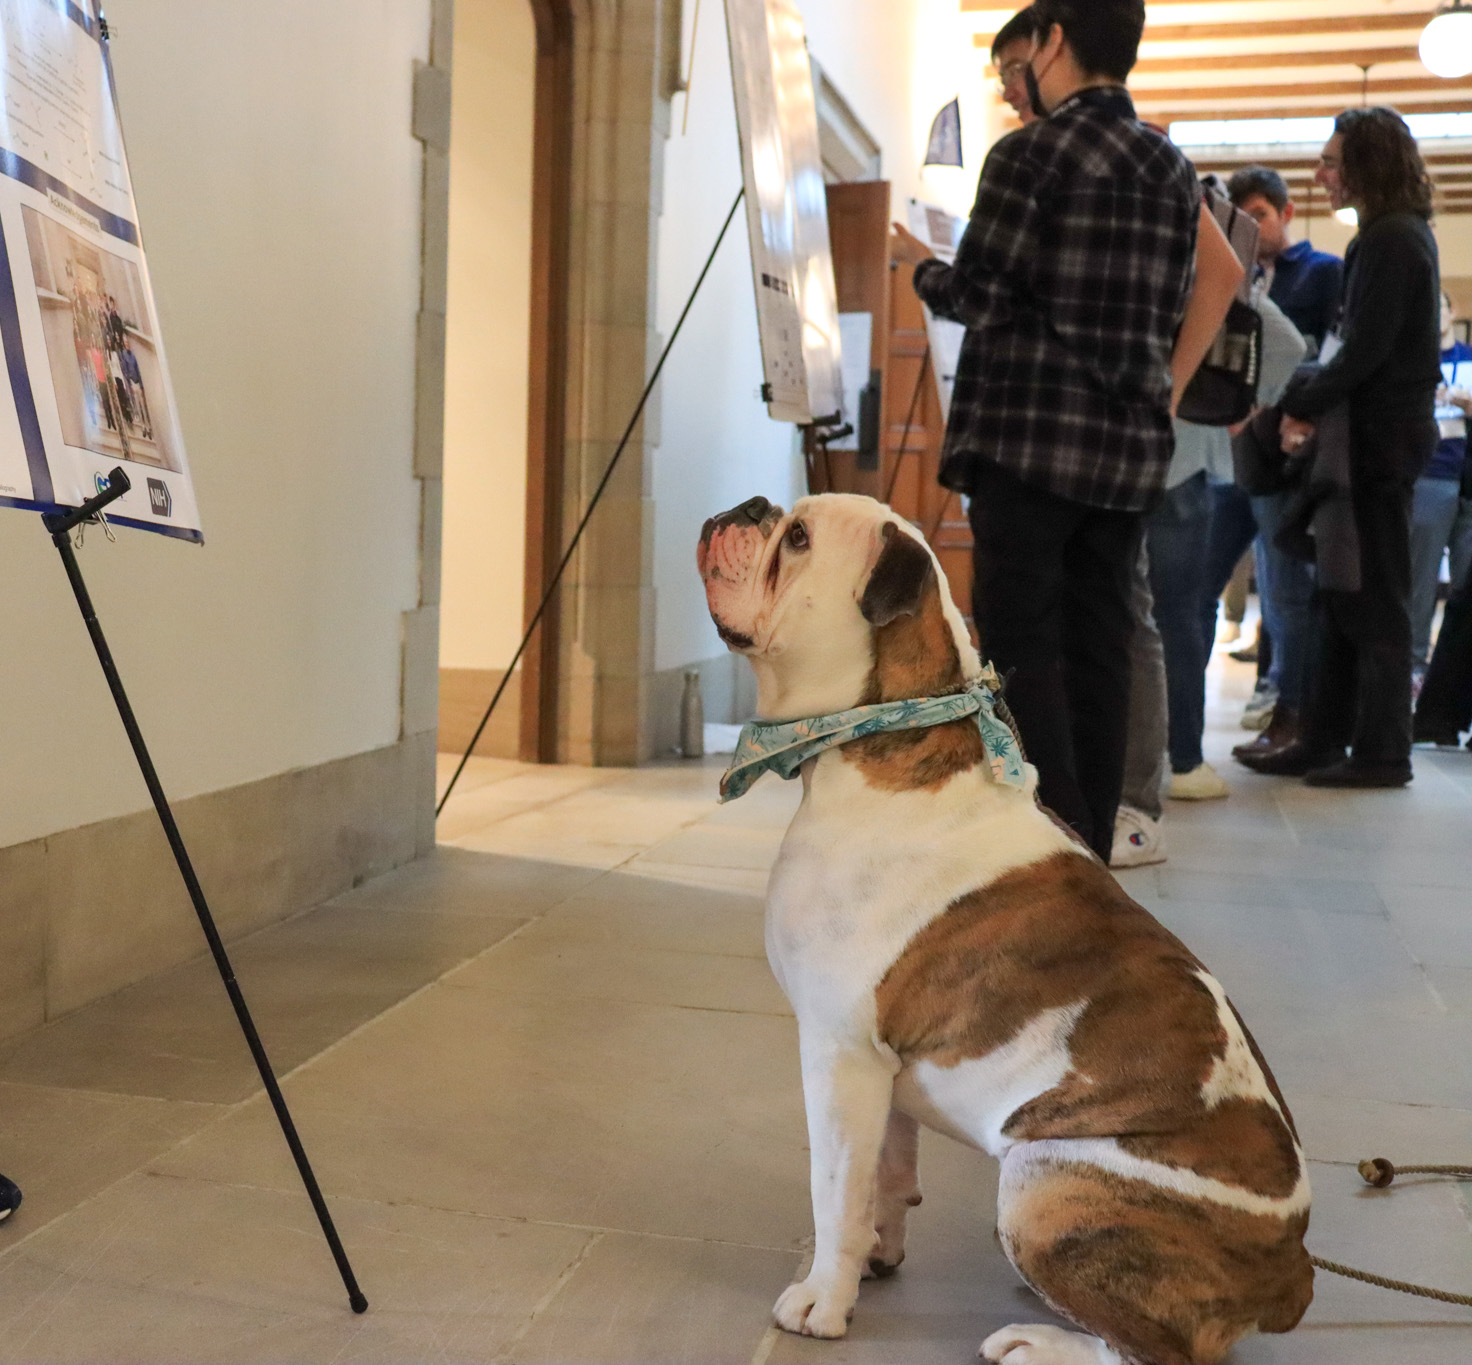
(797, 536)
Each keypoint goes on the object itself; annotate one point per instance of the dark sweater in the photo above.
(1390, 324)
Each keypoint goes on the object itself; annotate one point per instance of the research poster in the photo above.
(941, 231)
(786, 210)
(87, 376)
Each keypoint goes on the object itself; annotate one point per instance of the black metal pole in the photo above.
(577, 535)
(60, 526)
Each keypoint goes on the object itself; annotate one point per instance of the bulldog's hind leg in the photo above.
(846, 1092)
(1163, 1279)
(896, 1192)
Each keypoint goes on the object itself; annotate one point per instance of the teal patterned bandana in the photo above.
(783, 746)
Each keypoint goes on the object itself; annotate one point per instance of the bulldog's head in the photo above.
(836, 603)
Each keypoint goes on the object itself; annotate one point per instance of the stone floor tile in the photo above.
(1348, 1131)
(682, 1122)
(1334, 896)
(631, 911)
(162, 1269)
(1387, 1343)
(1454, 986)
(530, 789)
(307, 982)
(748, 881)
(705, 846)
(464, 883)
(69, 1144)
(535, 838)
(1435, 921)
(1414, 1231)
(640, 1299)
(479, 772)
(545, 963)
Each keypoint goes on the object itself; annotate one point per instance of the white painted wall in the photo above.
(486, 342)
(896, 62)
(279, 189)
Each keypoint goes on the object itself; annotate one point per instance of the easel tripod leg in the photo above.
(60, 528)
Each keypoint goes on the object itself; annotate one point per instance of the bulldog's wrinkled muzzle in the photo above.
(731, 546)
(756, 512)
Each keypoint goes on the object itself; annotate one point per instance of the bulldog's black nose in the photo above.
(752, 512)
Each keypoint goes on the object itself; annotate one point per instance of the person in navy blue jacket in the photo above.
(1303, 282)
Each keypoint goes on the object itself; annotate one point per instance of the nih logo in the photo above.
(159, 500)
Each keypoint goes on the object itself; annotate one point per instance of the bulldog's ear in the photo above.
(899, 580)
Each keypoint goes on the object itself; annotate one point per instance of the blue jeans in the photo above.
(1286, 586)
(1233, 527)
(1441, 519)
(1176, 535)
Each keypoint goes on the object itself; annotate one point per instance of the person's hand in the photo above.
(907, 248)
(1292, 433)
(1462, 398)
(1242, 426)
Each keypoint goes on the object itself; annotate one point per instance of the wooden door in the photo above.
(906, 474)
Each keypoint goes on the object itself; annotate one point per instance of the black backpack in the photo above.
(1223, 391)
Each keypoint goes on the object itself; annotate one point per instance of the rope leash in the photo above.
(1379, 1172)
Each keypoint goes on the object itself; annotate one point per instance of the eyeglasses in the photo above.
(1009, 72)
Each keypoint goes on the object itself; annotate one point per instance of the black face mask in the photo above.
(1034, 93)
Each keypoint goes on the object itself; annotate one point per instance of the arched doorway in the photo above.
(504, 362)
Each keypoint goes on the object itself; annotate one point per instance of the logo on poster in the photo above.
(159, 499)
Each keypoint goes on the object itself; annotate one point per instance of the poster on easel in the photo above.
(88, 382)
(941, 232)
(786, 211)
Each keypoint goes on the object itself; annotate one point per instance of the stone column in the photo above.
(622, 94)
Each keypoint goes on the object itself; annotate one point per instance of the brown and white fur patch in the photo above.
(955, 958)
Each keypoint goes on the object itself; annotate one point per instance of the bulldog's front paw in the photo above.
(812, 1309)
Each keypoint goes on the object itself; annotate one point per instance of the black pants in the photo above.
(1446, 697)
(1361, 694)
(1052, 606)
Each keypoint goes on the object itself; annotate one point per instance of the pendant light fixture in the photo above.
(1446, 42)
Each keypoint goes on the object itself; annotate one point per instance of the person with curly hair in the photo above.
(1383, 362)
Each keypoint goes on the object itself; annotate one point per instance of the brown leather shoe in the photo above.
(1282, 732)
(1292, 760)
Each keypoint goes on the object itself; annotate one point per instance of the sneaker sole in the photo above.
(1137, 862)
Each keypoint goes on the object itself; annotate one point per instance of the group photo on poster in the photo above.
(99, 342)
(88, 376)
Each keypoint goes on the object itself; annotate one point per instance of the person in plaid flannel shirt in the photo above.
(1073, 280)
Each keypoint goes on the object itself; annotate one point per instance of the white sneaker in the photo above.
(1258, 713)
(1202, 783)
(1138, 841)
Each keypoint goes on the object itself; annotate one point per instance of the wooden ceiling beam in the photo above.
(1252, 61)
(1382, 92)
(1405, 22)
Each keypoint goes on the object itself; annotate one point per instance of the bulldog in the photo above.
(955, 957)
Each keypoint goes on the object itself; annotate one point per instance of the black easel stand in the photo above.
(60, 525)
